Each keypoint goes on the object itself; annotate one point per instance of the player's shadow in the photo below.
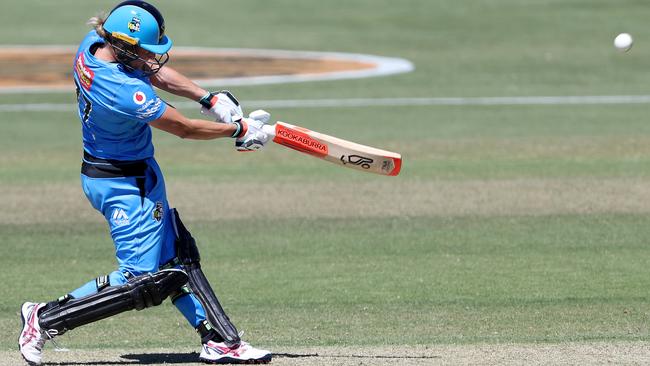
(172, 358)
(141, 359)
(165, 358)
(307, 355)
(178, 358)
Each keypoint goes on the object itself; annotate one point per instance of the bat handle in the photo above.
(269, 130)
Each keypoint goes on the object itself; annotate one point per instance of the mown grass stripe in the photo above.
(380, 102)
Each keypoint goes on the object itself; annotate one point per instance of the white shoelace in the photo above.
(50, 336)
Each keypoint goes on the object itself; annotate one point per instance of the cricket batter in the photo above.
(115, 69)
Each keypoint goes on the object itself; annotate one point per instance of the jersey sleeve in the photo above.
(136, 100)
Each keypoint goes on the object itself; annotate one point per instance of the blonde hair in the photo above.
(97, 22)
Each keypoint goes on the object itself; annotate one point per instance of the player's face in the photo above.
(146, 61)
(144, 58)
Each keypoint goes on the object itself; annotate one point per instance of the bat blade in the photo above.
(336, 150)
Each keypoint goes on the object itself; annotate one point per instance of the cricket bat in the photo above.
(335, 150)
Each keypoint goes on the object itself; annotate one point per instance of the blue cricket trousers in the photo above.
(132, 198)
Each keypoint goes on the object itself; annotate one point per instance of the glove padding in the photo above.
(223, 106)
(254, 138)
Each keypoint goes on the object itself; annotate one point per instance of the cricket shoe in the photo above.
(32, 338)
(220, 353)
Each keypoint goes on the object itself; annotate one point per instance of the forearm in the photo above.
(176, 83)
(206, 130)
(174, 122)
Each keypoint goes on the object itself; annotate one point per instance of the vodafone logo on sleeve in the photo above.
(139, 98)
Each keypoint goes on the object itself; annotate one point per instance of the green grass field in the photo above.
(507, 225)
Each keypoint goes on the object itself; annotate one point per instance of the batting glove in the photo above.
(222, 106)
(253, 137)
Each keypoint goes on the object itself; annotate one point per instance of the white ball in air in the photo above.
(623, 42)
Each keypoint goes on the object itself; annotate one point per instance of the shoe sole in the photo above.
(230, 360)
(22, 318)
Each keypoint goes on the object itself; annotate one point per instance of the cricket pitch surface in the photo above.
(598, 353)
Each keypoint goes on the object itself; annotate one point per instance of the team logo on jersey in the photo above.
(134, 24)
(139, 98)
(150, 108)
(119, 217)
(158, 212)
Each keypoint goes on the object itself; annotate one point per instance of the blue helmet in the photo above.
(138, 23)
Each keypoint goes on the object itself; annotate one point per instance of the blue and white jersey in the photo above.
(115, 106)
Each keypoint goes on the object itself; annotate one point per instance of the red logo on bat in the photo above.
(300, 141)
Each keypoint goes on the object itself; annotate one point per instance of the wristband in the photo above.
(207, 100)
(238, 130)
